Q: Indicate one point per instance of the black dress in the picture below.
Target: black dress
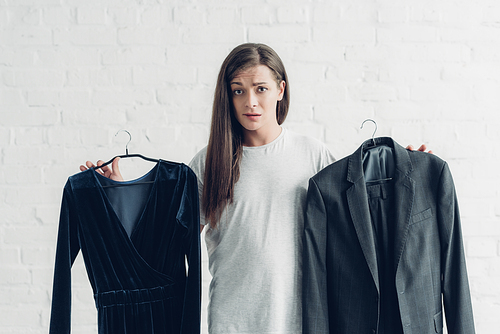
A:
(137, 269)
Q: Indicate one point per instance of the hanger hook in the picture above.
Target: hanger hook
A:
(129, 139)
(376, 127)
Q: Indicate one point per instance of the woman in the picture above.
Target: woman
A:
(253, 178)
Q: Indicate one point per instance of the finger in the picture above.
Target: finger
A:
(410, 147)
(106, 168)
(97, 169)
(430, 151)
(422, 148)
(117, 176)
(83, 168)
(89, 164)
(106, 171)
(114, 165)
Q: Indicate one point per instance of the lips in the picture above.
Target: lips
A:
(252, 117)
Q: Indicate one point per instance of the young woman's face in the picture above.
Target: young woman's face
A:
(255, 94)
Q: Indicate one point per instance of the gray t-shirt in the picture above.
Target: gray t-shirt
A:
(255, 253)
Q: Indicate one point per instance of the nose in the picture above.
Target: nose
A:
(251, 101)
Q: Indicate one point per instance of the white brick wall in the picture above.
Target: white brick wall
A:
(72, 73)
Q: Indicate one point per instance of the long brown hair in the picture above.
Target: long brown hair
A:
(224, 151)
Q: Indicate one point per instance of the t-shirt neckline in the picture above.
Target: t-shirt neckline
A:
(283, 130)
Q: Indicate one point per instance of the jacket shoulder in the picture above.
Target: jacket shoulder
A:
(334, 170)
(426, 161)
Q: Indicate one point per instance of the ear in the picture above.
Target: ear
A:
(281, 87)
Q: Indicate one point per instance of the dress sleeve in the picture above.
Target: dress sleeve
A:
(66, 251)
(455, 285)
(192, 294)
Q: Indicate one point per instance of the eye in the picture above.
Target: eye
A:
(237, 92)
(262, 89)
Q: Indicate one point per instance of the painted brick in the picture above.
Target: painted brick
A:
(11, 97)
(9, 257)
(348, 34)
(80, 56)
(141, 35)
(393, 14)
(91, 15)
(33, 116)
(123, 16)
(203, 34)
(326, 12)
(482, 248)
(14, 276)
(39, 78)
(21, 318)
(72, 74)
(293, 14)
(427, 14)
(258, 15)
(157, 16)
(85, 35)
(222, 16)
(407, 34)
(57, 16)
(189, 15)
(358, 13)
(441, 52)
(42, 98)
(37, 256)
(150, 55)
(23, 15)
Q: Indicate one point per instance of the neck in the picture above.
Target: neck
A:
(260, 138)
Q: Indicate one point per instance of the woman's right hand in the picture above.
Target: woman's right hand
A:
(112, 172)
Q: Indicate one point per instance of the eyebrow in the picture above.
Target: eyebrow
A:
(254, 84)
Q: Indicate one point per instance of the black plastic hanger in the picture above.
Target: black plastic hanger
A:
(127, 155)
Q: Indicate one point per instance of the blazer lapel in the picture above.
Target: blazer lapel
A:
(357, 200)
(404, 188)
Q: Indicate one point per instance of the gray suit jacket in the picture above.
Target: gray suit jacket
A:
(341, 281)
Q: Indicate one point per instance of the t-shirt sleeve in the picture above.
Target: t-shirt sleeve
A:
(327, 157)
(197, 164)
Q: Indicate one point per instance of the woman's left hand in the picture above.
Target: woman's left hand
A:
(422, 148)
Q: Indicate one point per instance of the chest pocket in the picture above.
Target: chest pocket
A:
(418, 217)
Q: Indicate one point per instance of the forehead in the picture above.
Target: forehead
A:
(260, 73)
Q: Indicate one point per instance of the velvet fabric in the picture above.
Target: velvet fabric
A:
(140, 282)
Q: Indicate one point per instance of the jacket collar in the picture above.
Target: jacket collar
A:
(355, 166)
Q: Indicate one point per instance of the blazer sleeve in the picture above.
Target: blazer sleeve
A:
(67, 249)
(192, 295)
(314, 286)
(455, 285)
